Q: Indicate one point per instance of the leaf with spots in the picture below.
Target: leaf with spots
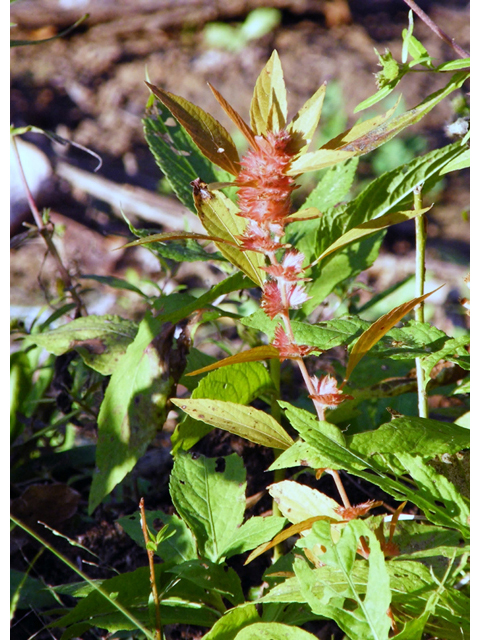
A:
(135, 403)
(209, 495)
(101, 341)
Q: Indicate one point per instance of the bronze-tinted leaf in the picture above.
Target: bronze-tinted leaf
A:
(235, 117)
(209, 135)
(268, 109)
(378, 329)
(264, 352)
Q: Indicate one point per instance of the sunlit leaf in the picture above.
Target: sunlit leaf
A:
(379, 328)
(207, 133)
(219, 217)
(268, 109)
(252, 355)
(247, 422)
(365, 229)
(305, 122)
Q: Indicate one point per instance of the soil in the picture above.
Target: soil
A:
(88, 88)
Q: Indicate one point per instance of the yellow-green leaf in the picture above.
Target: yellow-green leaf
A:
(174, 235)
(317, 160)
(247, 422)
(264, 352)
(218, 215)
(305, 122)
(298, 502)
(309, 213)
(367, 228)
(378, 329)
(360, 132)
(268, 109)
(209, 135)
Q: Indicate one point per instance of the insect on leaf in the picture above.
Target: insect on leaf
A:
(208, 134)
(378, 329)
(218, 216)
(268, 109)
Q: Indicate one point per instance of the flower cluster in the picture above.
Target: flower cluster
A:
(264, 198)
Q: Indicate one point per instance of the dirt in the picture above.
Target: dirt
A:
(88, 88)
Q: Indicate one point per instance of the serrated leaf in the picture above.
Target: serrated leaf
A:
(208, 134)
(268, 109)
(134, 407)
(214, 577)
(418, 436)
(379, 328)
(240, 383)
(367, 228)
(273, 631)
(214, 504)
(247, 422)
(256, 354)
(305, 122)
(101, 341)
(332, 188)
(219, 217)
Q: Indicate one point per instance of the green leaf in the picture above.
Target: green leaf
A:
(253, 532)
(214, 577)
(209, 135)
(209, 495)
(454, 65)
(418, 436)
(247, 422)
(273, 631)
(218, 215)
(101, 341)
(232, 621)
(178, 548)
(368, 135)
(305, 122)
(452, 348)
(135, 405)
(333, 187)
(372, 226)
(461, 162)
(268, 109)
(240, 383)
(369, 619)
(114, 282)
(299, 502)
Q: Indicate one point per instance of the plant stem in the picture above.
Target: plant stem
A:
(153, 584)
(46, 234)
(278, 474)
(436, 29)
(84, 577)
(420, 242)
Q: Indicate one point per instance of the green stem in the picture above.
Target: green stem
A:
(278, 474)
(420, 243)
(84, 577)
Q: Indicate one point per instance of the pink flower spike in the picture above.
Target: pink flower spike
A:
(296, 296)
(288, 349)
(327, 395)
(272, 300)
